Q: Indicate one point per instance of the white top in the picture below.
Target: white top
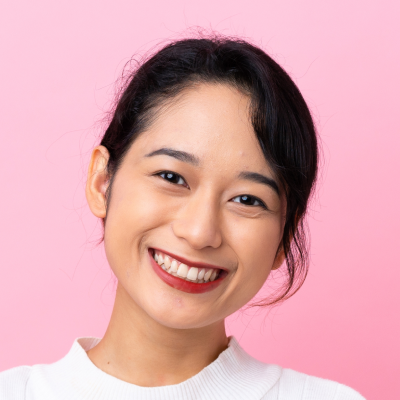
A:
(233, 375)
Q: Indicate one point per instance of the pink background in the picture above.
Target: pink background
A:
(59, 62)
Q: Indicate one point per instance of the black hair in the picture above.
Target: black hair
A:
(281, 119)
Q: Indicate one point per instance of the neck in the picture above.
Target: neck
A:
(139, 350)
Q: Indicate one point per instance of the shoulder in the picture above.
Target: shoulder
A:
(296, 385)
(13, 383)
(276, 383)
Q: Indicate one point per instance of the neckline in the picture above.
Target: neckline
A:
(232, 375)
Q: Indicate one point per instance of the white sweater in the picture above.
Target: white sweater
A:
(233, 375)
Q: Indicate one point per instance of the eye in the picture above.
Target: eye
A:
(173, 177)
(249, 201)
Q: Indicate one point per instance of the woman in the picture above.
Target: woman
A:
(202, 181)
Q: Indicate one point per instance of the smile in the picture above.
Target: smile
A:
(183, 276)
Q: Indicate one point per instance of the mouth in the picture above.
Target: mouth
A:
(186, 276)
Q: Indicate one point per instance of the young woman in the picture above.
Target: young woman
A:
(202, 181)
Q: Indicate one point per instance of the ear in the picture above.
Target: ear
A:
(97, 181)
(279, 258)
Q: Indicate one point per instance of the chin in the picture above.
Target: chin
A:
(175, 312)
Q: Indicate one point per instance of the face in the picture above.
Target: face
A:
(195, 192)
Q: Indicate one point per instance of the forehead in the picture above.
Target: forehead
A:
(211, 121)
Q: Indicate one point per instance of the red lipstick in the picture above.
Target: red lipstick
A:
(181, 284)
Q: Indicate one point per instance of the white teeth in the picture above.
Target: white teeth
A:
(201, 274)
(182, 270)
(208, 274)
(213, 275)
(174, 266)
(167, 262)
(192, 274)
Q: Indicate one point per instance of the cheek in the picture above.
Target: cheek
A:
(255, 244)
(134, 210)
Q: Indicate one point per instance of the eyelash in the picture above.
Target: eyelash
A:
(246, 196)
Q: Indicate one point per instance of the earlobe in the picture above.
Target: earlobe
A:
(97, 181)
(279, 259)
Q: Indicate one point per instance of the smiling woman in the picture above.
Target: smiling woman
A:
(202, 181)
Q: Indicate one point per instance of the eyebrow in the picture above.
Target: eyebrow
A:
(178, 154)
(192, 159)
(259, 178)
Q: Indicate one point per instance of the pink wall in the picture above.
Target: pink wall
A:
(59, 60)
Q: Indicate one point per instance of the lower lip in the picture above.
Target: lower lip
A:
(182, 285)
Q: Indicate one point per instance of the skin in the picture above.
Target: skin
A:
(159, 335)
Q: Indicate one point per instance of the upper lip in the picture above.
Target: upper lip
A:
(189, 263)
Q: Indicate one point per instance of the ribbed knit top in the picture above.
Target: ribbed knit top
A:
(233, 375)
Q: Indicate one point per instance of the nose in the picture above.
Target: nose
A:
(198, 222)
